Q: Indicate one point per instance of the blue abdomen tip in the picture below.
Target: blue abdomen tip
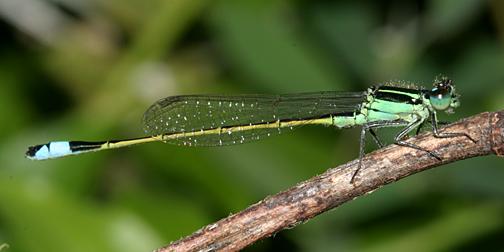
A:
(49, 150)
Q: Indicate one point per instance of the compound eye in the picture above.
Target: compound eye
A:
(441, 97)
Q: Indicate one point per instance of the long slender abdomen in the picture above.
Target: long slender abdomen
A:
(348, 120)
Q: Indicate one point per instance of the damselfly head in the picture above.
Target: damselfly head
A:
(443, 95)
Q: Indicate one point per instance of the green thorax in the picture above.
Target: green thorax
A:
(399, 102)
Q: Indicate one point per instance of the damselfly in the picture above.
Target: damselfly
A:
(211, 120)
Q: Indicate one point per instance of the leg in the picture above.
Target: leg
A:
(375, 138)
(423, 124)
(370, 127)
(446, 135)
(419, 128)
(361, 153)
(399, 138)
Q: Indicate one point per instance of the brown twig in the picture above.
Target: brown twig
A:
(332, 188)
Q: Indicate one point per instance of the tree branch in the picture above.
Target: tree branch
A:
(333, 188)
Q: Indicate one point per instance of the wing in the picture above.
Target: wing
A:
(251, 117)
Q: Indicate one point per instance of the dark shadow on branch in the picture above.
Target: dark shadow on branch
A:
(332, 188)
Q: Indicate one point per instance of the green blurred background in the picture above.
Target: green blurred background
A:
(87, 69)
